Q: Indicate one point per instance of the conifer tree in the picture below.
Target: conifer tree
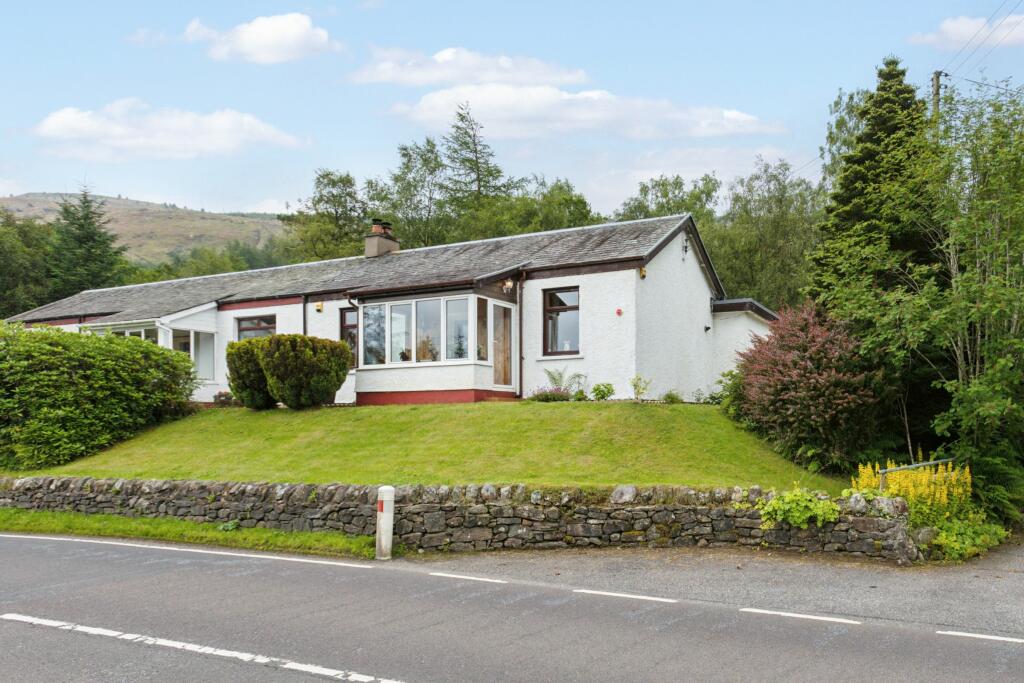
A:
(473, 174)
(84, 254)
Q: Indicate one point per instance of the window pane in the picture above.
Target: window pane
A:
(373, 335)
(502, 345)
(349, 316)
(150, 334)
(570, 298)
(457, 329)
(428, 331)
(563, 331)
(263, 326)
(180, 341)
(401, 333)
(204, 355)
(481, 329)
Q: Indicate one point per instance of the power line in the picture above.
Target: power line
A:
(990, 34)
(987, 85)
(1005, 36)
(971, 40)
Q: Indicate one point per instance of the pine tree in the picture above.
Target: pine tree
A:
(84, 254)
(473, 175)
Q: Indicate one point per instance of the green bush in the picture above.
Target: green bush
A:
(797, 508)
(672, 397)
(961, 539)
(303, 371)
(580, 395)
(602, 392)
(246, 378)
(550, 395)
(65, 395)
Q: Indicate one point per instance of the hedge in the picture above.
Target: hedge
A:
(64, 395)
(304, 371)
(245, 375)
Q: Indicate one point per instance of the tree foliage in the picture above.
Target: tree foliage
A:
(24, 254)
(302, 371)
(246, 378)
(84, 254)
(670, 195)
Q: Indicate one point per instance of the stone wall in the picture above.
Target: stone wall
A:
(484, 517)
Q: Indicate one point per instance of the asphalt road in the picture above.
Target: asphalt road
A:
(76, 611)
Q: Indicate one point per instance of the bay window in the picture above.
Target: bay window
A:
(428, 330)
(561, 321)
(481, 329)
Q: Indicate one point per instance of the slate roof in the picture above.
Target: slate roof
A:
(439, 266)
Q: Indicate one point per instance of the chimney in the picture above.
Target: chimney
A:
(380, 240)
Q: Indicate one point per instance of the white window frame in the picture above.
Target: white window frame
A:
(471, 304)
(192, 349)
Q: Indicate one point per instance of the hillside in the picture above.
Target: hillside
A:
(152, 231)
(542, 444)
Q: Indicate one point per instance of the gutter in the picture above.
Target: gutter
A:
(519, 307)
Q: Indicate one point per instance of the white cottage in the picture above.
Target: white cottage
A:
(460, 322)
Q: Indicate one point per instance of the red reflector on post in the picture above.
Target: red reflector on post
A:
(380, 506)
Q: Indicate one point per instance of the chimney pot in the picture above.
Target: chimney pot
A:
(380, 240)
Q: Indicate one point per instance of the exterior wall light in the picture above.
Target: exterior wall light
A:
(507, 285)
(643, 272)
(319, 307)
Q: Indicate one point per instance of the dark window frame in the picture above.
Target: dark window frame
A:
(352, 326)
(241, 327)
(548, 310)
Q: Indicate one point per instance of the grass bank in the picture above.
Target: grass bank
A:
(568, 444)
(181, 531)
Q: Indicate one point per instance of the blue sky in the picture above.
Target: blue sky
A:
(231, 106)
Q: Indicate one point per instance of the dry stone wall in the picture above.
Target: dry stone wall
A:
(484, 517)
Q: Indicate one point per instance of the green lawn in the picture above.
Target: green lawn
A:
(568, 444)
(182, 531)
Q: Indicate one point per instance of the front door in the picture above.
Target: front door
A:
(502, 321)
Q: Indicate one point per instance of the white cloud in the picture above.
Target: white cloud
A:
(130, 128)
(457, 65)
(264, 40)
(956, 32)
(512, 111)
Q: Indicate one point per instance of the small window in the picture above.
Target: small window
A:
(481, 329)
(262, 326)
(428, 330)
(456, 329)
(401, 333)
(350, 332)
(150, 334)
(561, 321)
(204, 354)
(374, 335)
(181, 340)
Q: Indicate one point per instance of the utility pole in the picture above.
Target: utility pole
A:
(936, 84)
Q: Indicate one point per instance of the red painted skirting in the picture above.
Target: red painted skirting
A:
(380, 398)
(259, 303)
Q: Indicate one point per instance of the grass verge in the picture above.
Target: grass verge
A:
(542, 445)
(332, 544)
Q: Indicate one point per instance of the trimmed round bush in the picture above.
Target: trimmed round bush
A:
(64, 395)
(302, 371)
(245, 374)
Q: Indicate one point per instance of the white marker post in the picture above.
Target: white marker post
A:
(385, 521)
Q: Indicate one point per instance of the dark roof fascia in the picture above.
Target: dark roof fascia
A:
(583, 268)
(664, 242)
(745, 306)
(501, 274)
(410, 289)
(706, 265)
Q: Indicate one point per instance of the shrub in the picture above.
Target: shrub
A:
(640, 387)
(797, 508)
(563, 379)
(550, 395)
(64, 395)
(602, 392)
(580, 395)
(806, 387)
(246, 378)
(303, 371)
(672, 397)
(224, 399)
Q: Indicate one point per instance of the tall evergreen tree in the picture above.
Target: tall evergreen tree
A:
(84, 254)
(473, 174)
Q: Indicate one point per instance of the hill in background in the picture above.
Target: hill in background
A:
(153, 231)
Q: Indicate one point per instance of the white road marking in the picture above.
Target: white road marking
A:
(248, 657)
(983, 636)
(467, 578)
(795, 615)
(624, 595)
(200, 551)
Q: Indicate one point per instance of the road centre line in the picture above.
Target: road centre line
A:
(200, 551)
(624, 595)
(796, 615)
(247, 657)
(467, 578)
(982, 636)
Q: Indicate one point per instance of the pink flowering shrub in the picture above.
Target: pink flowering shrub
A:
(805, 387)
